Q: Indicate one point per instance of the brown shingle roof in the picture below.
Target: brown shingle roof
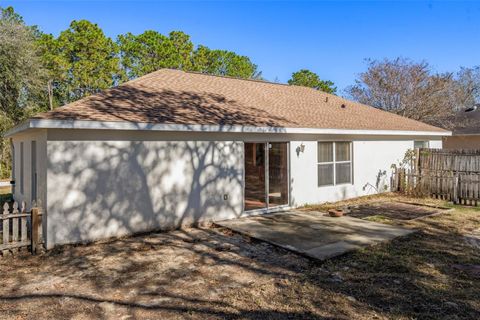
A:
(177, 97)
(467, 122)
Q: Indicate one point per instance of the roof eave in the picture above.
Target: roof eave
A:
(18, 128)
(124, 125)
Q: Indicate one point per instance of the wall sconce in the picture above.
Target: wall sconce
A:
(300, 148)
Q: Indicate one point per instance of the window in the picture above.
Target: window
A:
(34, 170)
(325, 163)
(420, 144)
(334, 163)
(21, 167)
(13, 164)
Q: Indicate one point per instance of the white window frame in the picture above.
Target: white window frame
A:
(423, 142)
(334, 162)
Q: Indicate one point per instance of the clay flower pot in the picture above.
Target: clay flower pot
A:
(335, 212)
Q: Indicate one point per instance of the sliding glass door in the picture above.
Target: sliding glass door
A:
(266, 175)
(255, 161)
(277, 174)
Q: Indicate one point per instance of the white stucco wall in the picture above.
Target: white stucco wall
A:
(372, 161)
(435, 144)
(100, 189)
(104, 183)
(40, 136)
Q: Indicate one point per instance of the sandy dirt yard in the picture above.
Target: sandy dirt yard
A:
(212, 273)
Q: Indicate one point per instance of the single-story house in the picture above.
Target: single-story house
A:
(466, 131)
(174, 148)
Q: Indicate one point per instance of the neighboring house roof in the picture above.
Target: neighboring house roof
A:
(172, 97)
(467, 121)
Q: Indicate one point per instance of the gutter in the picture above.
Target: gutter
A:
(465, 134)
(142, 126)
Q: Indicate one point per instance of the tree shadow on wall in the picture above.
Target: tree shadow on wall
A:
(114, 188)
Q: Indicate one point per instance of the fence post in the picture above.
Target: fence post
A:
(397, 180)
(455, 188)
(393, 181)
(402, 180)
(34, 232)
(6, 232)
(417, 161)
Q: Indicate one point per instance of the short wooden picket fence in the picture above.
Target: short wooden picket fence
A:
(20, 228)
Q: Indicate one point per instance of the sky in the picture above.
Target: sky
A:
(331, 38)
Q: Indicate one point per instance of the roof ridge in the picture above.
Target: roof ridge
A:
(231, 77)
(244, 79)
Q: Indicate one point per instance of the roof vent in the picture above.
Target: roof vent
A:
(475, 107)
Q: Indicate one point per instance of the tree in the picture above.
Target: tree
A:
(151, 51)
(307, 78)
(81, 61)
(224, 63)
(413, 90)
(20, 87)
(469, 82)
(52, 62)
(22, 81)
(183, 48)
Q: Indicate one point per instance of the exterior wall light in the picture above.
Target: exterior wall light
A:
(300, 149)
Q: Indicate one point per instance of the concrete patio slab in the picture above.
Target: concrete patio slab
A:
(314, 234)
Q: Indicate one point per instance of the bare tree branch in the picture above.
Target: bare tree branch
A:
(413, 90)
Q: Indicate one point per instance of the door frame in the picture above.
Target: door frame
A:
(267, 175)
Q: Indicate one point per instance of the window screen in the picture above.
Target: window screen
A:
(325, 152)
(325, 174)
(325, 163)
(343, 172)
(342, 151)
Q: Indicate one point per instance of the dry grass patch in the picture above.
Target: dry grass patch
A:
(384, 197)
(214, 274)
(417, 276)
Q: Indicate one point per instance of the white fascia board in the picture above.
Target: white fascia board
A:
(123, 125)
(18, 128)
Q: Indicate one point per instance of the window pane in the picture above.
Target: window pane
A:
(325, 152)
(255, 176)
(325, 174)
(343, 173)
(420, 144)
(277, 174)
(342, 151)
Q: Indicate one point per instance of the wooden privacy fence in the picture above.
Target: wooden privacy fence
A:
(20, 228)
(443, 174)
(457, 161)
(458, 188)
